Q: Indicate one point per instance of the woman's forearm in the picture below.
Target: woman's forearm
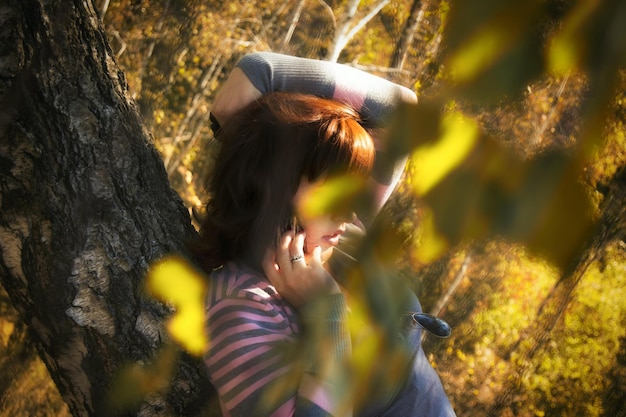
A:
(375, 98)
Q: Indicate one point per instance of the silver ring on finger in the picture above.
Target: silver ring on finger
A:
(296, 258)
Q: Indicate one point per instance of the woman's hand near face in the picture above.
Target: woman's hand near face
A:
(297, 277)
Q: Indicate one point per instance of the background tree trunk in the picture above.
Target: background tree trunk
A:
(349, 25)
(408, 33)
(85, 207)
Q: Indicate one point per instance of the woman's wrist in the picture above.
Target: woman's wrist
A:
(325, 321)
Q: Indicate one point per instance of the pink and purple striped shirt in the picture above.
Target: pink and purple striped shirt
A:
(253, 333)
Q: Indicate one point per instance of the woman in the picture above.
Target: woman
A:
(274, 152)
(262, 307)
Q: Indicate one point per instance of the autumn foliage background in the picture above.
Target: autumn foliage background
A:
(518, 242)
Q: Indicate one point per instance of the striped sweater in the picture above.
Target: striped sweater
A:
(253, 334)
(256, 336)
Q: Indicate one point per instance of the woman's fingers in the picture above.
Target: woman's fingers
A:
(296, 278)
(316, 256)
(283, 251)
(269, 264)
(296, 251)
(282, 258)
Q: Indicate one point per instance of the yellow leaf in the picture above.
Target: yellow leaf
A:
(563, 54)
(175, 281)
(337, 195)
(493, 47)
(479, 52)
(432, 244)
(482, 32)
(435, 160)
(566, 47)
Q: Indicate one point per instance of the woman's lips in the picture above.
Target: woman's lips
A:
(333, 238)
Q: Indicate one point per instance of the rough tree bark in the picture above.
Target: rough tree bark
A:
(85, 206)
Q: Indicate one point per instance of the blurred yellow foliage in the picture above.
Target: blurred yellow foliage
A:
(480, 51)
(337, 195)
(376, 360)
(175, 281)
(567, 48)
(6, 328)
(432, 244)
(435, 160)
(134, 382)
(474, 187)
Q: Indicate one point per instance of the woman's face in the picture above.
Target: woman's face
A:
(324, 230)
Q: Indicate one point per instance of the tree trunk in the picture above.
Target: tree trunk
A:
(349, 26)
(85, 207)
(294, 22)
(408, 33)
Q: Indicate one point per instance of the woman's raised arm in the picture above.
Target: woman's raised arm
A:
(375, 99)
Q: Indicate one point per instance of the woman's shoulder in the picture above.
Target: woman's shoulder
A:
(240, 293)
(234, 280)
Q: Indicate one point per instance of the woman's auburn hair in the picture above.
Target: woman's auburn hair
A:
(266, 149)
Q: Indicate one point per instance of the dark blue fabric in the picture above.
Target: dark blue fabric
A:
(421, 394)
